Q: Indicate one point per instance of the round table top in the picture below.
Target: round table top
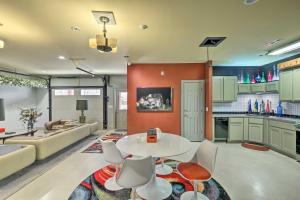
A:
(167, 145)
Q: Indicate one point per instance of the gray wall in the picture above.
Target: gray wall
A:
(23, 97)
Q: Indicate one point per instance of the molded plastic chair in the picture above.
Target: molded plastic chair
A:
(135, 173)
(112, 155)
(200, 168)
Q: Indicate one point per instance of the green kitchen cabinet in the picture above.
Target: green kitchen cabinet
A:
(218, 89)
(246, 129)
(244, 88)
(296, 85)
(230, 88)
(289, 141)
(258, 88)
(266, 132)
(224, 88)
(286, 85)
(236, 128)
(272, 86)
(275, 137)
(256, 133)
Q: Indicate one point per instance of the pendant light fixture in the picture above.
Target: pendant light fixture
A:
(102, 43)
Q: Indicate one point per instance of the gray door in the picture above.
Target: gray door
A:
(192, 110)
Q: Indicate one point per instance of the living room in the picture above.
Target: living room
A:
(193, 99)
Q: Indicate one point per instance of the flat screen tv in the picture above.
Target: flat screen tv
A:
(154, 99)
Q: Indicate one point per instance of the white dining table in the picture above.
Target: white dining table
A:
(167, 145)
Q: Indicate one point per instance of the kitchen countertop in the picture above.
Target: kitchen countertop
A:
(282, 119)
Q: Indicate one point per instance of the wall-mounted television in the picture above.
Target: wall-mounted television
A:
(154, 99)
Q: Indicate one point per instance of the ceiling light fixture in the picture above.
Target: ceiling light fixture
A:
(285, 49)
(273, 42)
(102, 43)
(1, 44)
(61, 57)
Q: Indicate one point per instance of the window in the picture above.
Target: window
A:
(90, 92)
(64, 92)
(122, 100)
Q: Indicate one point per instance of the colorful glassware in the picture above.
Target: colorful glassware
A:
(270, 76)
(263, 79)
(253, 79)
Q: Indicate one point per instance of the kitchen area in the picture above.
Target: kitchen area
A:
(259, 105)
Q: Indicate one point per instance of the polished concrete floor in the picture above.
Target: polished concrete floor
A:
(245, 174)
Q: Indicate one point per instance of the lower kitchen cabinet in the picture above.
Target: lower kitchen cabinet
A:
(256, 133)
(236, 129)
(288, 141)
(246, 128)
(266, 132)
(275, 137)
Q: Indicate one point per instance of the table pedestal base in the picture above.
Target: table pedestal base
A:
(157, 188)
(191, 196)
(163, 169)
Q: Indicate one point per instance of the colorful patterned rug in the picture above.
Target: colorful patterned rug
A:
(97, 148)
(92, 188)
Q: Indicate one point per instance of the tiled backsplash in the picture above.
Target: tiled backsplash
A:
(242, 103)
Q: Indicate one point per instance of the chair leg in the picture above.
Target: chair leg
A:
(195, 190)
(133, 194)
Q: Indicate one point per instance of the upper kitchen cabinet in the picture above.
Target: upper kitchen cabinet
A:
(224, 88)
(258, 88)
(272, 86)
(244, 88)
(296, 84)
(230, 88)
(286, 85)
(218, 85)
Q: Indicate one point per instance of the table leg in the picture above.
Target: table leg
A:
(163, 169)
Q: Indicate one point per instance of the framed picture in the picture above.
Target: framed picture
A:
(154, 99)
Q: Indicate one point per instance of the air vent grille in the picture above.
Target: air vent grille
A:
(212, 41)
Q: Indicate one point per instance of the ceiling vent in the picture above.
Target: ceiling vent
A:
(212, 41)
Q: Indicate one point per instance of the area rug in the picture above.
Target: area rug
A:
(97, 148)
(256, 147)
(92, 188)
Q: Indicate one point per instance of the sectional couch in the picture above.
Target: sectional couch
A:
(46, 144)
(14, 158)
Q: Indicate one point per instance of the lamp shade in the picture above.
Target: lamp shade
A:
(2, 113)
(81, 105)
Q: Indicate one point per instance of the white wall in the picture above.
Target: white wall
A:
(23, 97)
(64, 107)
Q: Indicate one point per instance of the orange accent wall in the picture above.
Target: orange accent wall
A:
(149, 75)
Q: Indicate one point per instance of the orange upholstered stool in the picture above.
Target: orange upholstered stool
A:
(200, 168)
(193, 171)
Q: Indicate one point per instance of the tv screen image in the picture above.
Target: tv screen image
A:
(154, 99)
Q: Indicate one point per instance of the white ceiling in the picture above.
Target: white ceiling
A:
(36, 32)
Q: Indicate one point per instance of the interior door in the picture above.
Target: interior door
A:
(192, 110)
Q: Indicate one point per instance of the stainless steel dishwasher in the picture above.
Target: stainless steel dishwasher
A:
(221, 128)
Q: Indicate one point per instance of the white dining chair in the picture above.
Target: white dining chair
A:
(200, 168)
(112, 155)
(135, 173)
(187, 156)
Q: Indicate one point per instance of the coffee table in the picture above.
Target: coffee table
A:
(167, 145)
(4, 136)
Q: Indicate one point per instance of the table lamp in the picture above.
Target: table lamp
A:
(82, 105)
(2, 114)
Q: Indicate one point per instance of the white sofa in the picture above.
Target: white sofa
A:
(50, 143)
(14, 158)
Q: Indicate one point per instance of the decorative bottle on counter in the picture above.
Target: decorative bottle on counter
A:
(249, 106)
(263, 106)
(268, 107)
(253, 79)
(279, 109)
(255, 106)
(258, 78)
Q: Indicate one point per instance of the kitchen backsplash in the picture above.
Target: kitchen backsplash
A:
(242, 103)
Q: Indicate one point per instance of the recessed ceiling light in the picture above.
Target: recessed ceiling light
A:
(61, 57)
(1, 44)
(144, 26)
(75, 28)
(250, 2)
